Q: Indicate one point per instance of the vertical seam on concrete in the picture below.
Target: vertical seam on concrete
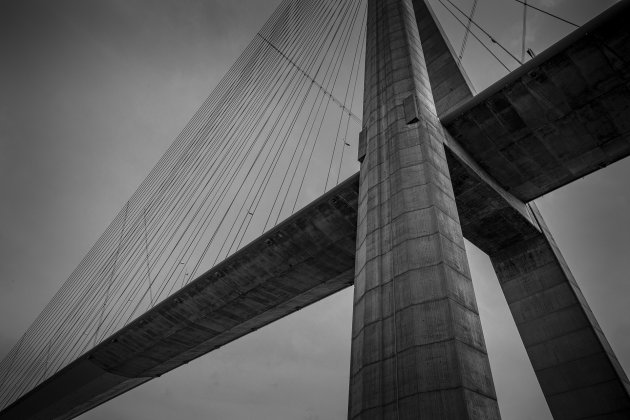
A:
(393, 281)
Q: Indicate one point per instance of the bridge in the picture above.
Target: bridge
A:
(437, 164)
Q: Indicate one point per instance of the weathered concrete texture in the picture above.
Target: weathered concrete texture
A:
(579, 373)
(417, 344)
(491, 218)
(557, 118)
(302, 260)
(449, 84)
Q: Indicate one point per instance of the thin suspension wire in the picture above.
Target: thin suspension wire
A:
(465, 40)
(344, 140)
(476, 37)
(313, 80)
(491, 37)
(524, 31)
(547, 13)
(354, 88)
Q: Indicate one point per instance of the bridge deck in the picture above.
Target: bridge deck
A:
(559, 117)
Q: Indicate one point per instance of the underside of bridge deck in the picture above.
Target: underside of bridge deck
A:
(557, 118)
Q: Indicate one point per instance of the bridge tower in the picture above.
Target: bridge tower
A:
(417, 343)
(418, 349)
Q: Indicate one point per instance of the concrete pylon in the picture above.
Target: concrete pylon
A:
(417, 345)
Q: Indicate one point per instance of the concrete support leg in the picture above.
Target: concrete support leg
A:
(417, 345)
(577, 370)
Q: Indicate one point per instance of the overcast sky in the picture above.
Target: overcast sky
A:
(93, 92)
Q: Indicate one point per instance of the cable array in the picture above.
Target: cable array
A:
(468, 20)
(270, 138)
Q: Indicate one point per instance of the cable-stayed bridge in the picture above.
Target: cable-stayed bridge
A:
(120, 321)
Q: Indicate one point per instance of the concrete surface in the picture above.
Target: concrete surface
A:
(559, 117)
(449, 83)
(417, 344)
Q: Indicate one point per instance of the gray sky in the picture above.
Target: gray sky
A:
(93, 92)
